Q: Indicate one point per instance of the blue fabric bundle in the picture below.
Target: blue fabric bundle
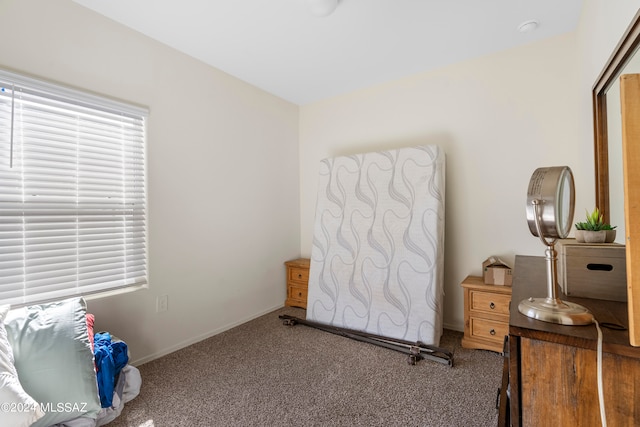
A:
(110, 359)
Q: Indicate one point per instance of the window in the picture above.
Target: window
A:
(72, 192)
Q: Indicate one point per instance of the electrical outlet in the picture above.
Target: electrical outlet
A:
(162, 303)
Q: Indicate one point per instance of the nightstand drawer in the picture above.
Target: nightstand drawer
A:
(299, 274)
(297, 293)
(488, 329)
(488, 302)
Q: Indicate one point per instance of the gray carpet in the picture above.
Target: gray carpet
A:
(263, 373)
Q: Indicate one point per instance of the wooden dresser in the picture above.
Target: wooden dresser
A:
(297, 282)
(486, 314)
(553, 368)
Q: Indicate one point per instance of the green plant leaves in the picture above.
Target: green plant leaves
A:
(594, 222)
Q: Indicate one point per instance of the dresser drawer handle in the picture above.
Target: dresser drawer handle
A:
(492, 306)
(299, 276)
(492, 332)
(300, 294)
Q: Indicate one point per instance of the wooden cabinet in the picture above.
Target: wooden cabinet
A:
(297, 282)
(486, 314)
(553, 368)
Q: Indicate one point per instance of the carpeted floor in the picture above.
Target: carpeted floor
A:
(263, 373)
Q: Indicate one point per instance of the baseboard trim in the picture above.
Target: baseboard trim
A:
(201, 337)
(454, 327)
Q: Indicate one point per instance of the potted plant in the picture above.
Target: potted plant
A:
(594, 229)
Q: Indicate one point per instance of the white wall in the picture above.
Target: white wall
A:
(498, 118)
(222, 168)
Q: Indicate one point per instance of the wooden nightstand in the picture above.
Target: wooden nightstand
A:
(297, 282)
(486, 314)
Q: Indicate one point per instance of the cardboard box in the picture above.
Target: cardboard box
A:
(592, 270)
(496, 272)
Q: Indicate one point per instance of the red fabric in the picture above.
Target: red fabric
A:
(90, 320)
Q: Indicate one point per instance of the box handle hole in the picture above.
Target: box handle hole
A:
(600, 267)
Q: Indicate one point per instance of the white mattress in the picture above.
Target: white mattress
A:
(378, 244)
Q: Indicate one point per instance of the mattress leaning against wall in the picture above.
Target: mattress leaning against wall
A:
(378, 244)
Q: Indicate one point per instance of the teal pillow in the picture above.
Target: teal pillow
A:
(54, 360)
(17, 408)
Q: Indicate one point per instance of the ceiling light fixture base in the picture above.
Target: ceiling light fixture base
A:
(528, 26)
(322, 8)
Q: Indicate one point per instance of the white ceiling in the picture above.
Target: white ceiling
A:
(281, 47)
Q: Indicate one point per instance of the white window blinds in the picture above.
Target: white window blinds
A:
(72, 192)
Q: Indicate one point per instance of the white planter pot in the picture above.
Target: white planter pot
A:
(587, 236)
(611, 236)
(603, 236)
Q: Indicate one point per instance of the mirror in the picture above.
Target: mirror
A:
(550, 202)
(617, 135)
(614, 149)
(608, 129)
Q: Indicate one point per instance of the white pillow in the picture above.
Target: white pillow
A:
(17, 408)
(54, 360)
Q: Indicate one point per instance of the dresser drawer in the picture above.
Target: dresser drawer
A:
(488, 329)
(488, 302)
(299, 274)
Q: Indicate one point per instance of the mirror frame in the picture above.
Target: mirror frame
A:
(609, 75)
(625, 49)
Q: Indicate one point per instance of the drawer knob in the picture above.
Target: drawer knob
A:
(492, 306)
(492, 332)
(299, 276)
(299, 294)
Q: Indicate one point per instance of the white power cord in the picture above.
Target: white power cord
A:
(603, 416)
